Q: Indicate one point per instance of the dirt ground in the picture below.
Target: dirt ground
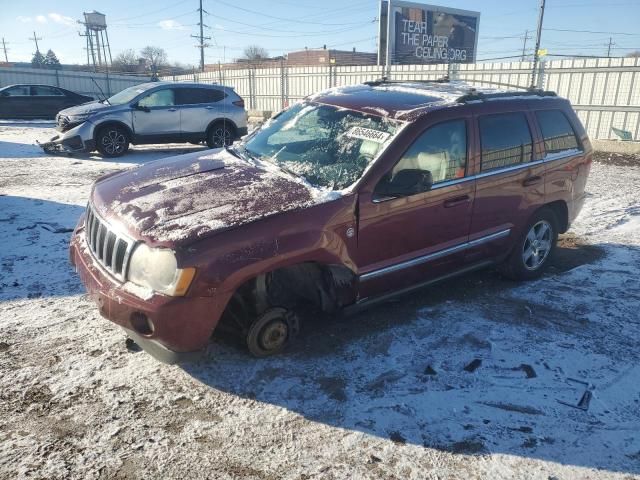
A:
(478, 377)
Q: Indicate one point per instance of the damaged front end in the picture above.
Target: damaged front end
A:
(75, 136)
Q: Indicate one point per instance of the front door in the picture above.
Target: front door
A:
(408, 239)
(16, 102)
(156, 118)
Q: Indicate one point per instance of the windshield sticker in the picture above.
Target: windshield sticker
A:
(368, 134)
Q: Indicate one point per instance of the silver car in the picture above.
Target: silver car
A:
(158, 112)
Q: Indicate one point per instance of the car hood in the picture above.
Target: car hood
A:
(84, 109)
(183, 198)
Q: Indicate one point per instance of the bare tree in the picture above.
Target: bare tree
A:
(635, 54)
(126, 61)
(155, 57)
(255, 54)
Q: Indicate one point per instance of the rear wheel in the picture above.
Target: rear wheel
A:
(530, 255)
(220, 134)
(112, 141)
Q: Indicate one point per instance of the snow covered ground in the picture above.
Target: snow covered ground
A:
(464, 380)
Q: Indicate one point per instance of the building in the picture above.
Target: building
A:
(309, 57)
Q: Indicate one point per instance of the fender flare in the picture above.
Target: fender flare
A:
(106, 123)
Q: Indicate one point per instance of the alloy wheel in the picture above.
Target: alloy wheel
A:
(114, 142)
(537, 245)
(220, 137)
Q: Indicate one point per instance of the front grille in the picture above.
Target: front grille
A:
(110, 248)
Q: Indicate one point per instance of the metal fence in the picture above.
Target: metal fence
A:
(80, 82)
(604, 91)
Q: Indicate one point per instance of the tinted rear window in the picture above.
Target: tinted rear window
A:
(190, 96)
(505, 139)
(557, 131)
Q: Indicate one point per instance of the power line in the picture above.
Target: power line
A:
(589, 31)
(297, 20)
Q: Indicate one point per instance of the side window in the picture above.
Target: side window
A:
(505, 139)
(159, 98)
(441, 149)
(192, 96)
(557, 131)
(40, 90)
(18, 91)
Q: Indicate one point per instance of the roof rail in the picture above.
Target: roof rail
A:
(474, 96)
(387, 81)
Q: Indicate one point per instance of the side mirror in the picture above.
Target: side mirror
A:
(406, 182)
(142, 108)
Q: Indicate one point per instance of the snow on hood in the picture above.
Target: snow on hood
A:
(85, 108)
(188, 196)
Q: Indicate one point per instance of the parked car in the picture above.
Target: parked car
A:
(356, 194)
(37, 101)
(156, 112)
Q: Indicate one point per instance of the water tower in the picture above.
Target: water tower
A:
(95, 24)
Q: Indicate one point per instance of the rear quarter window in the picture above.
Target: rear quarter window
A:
(557, 132)
(505, 139)
(193, 96)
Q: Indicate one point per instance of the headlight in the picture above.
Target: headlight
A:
(157, 269)
(73, 119)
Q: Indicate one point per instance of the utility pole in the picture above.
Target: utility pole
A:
(202, 38)
(524, 45)
(35, 39)
(611, 44)
(535, 53)
(4, 47)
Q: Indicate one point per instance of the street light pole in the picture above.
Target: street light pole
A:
(537, 48)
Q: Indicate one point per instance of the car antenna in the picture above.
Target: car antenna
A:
(99, 88)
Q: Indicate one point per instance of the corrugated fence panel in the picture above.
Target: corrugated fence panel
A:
(80, 82)
(605, 92)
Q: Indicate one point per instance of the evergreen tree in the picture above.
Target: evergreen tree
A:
(51, 61)
(37, 60)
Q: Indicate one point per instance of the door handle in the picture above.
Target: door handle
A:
(456, 201)
(531, 180)
(172, 110)
(209, 107)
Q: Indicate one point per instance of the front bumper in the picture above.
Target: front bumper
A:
(75, 140)
(182, 326)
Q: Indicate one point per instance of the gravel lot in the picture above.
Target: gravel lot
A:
(463, 380)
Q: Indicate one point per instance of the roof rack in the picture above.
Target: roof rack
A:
(474, 96)
(387, 81)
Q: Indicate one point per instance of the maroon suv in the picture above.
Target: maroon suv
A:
(350, 196)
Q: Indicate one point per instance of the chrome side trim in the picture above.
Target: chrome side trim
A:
(490, 173)
(434, 256)
(512, 168)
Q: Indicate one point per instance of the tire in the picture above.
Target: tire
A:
(535, 246)
(112, 141)
(271, 332)
(220, 134)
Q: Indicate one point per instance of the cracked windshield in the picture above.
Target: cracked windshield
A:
(328, 146)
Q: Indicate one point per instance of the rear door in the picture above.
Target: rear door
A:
(47, 101)
(403, 241)
(510, 180)
(198, 108)
(156, 117)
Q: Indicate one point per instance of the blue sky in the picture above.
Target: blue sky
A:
(285, 25)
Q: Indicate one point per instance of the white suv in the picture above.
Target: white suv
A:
(158, 112)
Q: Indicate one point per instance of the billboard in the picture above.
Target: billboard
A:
(421, 33)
